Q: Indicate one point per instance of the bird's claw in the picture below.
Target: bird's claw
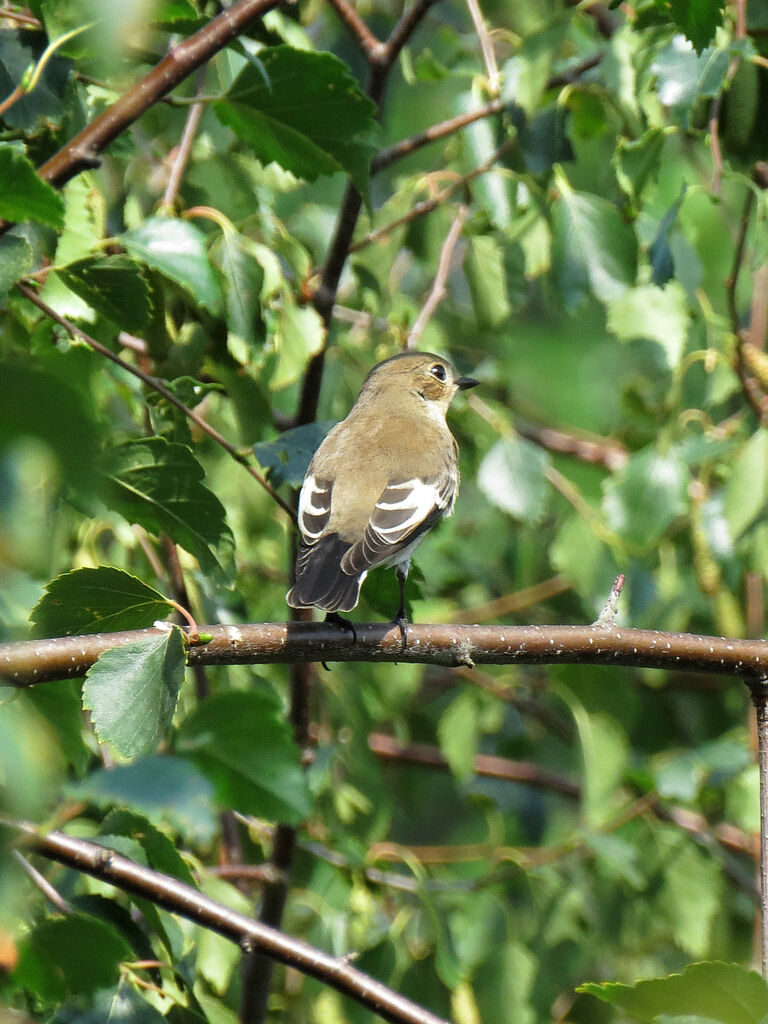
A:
(402, 624)
(338, 620)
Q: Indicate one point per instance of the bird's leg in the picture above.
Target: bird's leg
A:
(401, 620)
(338, 620)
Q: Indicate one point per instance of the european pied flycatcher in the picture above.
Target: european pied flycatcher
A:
(380, 479)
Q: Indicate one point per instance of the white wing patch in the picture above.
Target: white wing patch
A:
(403, 506)
(314, 508)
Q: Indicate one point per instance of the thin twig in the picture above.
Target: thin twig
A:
(759, 693)
(437, 292)
(193, 905)
(486, 47)
(52, 895)
(434, 133)
(156, 385)
(508, 604)
(28, 20)
(184, 148)
(428, 205)
(607, 452)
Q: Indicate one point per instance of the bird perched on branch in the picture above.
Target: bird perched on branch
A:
(378, 482)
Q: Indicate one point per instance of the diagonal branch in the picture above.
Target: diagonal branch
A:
(190, 903)
(437, 292)
(156, 385)
(371, 46)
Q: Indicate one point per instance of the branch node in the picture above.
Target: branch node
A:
(607, 616)
(464, 655)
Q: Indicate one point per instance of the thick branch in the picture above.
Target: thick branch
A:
(35, 661)
(82, 151)
(193, 905)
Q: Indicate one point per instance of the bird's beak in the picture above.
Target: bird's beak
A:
(465, 383)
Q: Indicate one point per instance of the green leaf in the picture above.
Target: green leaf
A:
(458, 732)
(73, 955)
(24, 196)
(113, 286)
(287, 458)
(112, 1006)
(243, 278)
(746, 493)
(16, 258)
(243, 743)
(303, 110)
(300, 335)
(644, 497)
(637, 161)
(101, 600)
(158, 484)
(37, 403)
(177, 249)
(725, 993)
(62, 709)
(513, 475)
(692, 896)
(85, 220)
(696, 19)
(45, 104)
(685, 78)
(132, 691)
(604, 750)
(594, 249)
(168, 790)
(656, 314)
(160, 850)
(487, 280)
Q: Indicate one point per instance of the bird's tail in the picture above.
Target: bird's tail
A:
(320, 581)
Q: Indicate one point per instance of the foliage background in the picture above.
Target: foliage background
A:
(618, 429)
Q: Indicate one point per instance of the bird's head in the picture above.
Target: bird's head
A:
(430, 377)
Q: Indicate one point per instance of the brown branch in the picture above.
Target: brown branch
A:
(428, 205)
(27, 20)
(371, 46)
(390, 749)
(53, 896)
(606, 452)
(158, 386)
(82, 152)
(437, 292)
(184, 148)
(26, 662)
(434, 133)
(190, 903)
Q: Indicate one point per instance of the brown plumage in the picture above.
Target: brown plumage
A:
(380, 479)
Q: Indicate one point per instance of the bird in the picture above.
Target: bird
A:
(379, 481)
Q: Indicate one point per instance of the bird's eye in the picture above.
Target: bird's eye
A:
(438, 370)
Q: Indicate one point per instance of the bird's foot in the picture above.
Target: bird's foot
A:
(338, 620)
(402, 624)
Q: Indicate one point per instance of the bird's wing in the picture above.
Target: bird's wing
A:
(405, 510)
(314, 508)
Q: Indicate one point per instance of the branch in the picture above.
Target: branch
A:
(83, 150)
(390, 749)
(486, 46)
(190, 903)
(184, 148)
(380, 62)
(434, 133)
(27, 662)
(428, 205)
(437, 292)
(156, 385)
(371, 46)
